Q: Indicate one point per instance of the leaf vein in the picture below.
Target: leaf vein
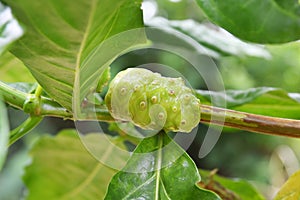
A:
(76, 93)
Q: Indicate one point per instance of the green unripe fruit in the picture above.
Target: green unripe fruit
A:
(151, 101)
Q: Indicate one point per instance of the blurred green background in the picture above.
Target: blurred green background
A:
(255, 157)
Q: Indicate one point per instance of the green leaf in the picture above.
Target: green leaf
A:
(24, 87)
(158, 169)
(291, 189)
(13, 70)
(213, 38)
(267, 21)
(10, 30)
(68, 45)
(104, 79)
(4, 133)
(62, 168)
(229, 188)
(264, 100)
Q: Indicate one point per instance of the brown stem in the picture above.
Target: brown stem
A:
(250, 122)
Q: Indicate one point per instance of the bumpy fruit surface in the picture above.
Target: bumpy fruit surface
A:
(151, 101)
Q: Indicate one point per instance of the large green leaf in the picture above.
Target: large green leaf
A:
(63, 169)
(264, 100)
(64, 44)
(215, 39)
(268, 21)
(291, 189)
(4, 133)
(158, 169)
(229, 188)
(9, 28)
(13, 70)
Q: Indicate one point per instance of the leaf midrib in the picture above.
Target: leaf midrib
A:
(145, 183)
(158, 166)
(156, 175)
(76, 93)
(115, 16)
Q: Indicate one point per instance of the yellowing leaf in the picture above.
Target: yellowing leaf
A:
(62, 168)
(291, 189)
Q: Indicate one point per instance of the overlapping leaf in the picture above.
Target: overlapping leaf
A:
(10, 30)
(13, 70)
(64, 44)
(62, 168)
(264, 100)
(24, 87)
(268, 21)
(216, 41)
(291, 189)
(229, 188)
(158, 169)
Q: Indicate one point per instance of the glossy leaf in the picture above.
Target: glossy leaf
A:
(4, 133)
(10, 29)
(229, 188)
(214, 38)
(62, 168)
(291, 189)
(64, 44)
(13, 70)
(158, 169)
(268, 21)
(264, 100)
